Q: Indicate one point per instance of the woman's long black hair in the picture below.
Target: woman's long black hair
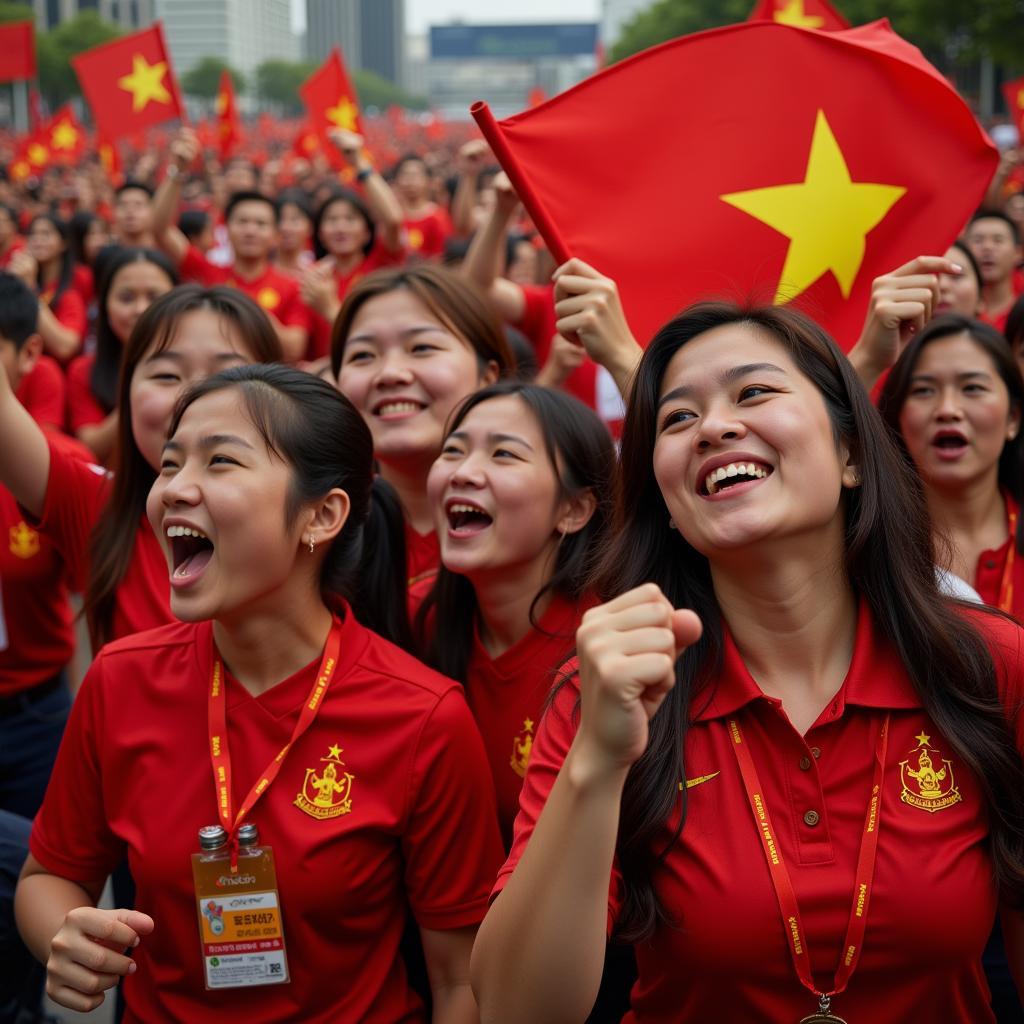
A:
(318, 432)
(583, 458)
(67, 257)
(889, 561)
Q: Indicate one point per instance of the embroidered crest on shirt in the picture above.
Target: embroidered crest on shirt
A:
(24, 540)
(927, 779)
(521, 747)
(327, 793)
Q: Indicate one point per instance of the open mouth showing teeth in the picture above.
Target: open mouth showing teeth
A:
(397, 408)
(467, 519)
(735, 473)
(191, 550)
(950, 441)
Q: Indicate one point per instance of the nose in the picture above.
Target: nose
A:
(719, 423)
(949, 407)
(394, 369)
(468, 472)
(180, 490)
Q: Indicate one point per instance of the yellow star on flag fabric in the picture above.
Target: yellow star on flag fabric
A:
(343, 114)
(792, 13)
(145, 83)
(64, 136)
(38, 154)
(222, 102)
(826, 217)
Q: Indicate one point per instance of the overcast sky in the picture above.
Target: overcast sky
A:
(421, 14)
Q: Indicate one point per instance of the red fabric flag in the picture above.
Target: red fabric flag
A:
(129, 83)
(110, 157)
(307, 143)
(753, 161)
(1013, 92)
(536, 97)
(818, 14)
(64, 136)
(17, 51)
(331, 102)
(229, 124)
(31, 156)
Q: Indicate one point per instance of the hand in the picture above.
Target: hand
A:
(24, 267)
(86, 958)
(185, 148)
(472, 157)
(627, 652)
(901, 304)
(505, 197)
(318, 286)
(564, 357)
(588, 308)
(349, 144)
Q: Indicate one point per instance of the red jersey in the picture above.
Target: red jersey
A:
(36, 639)
(133, 775)
(422, 554)
(76, 497)
(16, 246)
(425, 236)
(379, 256)
(43, 393)
(84, 408)
(83, 282)
(933, 903)
(591, 384)
(999, 575)
(69, 309)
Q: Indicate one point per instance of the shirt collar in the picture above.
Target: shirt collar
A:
(876, 677)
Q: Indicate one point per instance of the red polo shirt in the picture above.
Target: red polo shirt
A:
(76, 497)
(933, 903)
(84, 408)
(425, 236)
(422, 555)
(134, 775)
(992, 568)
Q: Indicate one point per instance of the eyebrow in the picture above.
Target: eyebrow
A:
(931, 378)
(178, 357)
(461, 435)
(734, 373)
(409, 333)
(211, 441)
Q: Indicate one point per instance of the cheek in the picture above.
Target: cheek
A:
(448, 381)
(151, 414)
(913, 422)
(437, 482)
(354, 384)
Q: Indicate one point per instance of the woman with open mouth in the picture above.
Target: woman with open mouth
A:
(408, 345)
(783, 765)
(368, 779)
(954, 399)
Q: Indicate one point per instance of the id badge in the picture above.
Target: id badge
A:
(240, 929)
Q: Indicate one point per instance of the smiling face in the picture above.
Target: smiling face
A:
(744, 452)
(216, 470)
(957, 415)
(44, 242)
(202, 345)
(132, 291)
(405, 371)
(343, 229)
(495, 495)
(294, 229)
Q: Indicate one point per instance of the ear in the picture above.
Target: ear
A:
(490, 373)
(576, 513)
(851, 470)
(1013, 423)
(325, 520)
(29, 354)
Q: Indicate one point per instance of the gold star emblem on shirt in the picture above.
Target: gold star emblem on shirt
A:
(792, 13)
(826, 217)
(334, 752)
(64, 136)
(145, 83)
(923, 739)
(343, 114)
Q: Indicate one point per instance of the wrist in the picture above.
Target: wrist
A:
(363, 171)
(590, 773)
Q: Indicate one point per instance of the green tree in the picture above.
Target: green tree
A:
(375, 91)
(278, 81)
(203, 80)
(54, 50)
(15, 12)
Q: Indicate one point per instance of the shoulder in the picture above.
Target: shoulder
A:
(402, 671)
(151, 643)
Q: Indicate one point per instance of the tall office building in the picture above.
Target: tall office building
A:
(129, 14)
(245, 33)
(370, 33)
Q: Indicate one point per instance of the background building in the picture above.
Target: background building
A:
(129, 14)
(371, 34)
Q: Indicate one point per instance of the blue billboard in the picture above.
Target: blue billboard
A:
(513, 42)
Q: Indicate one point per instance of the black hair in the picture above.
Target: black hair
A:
(343, 195)
(986, 214)
(67, 258)
(127, 186)
(19, 311)
(249, 197)
(524, 355)
(78, 229)
(312, 427)
(11, 212)
(972, 262)
(294, 197)
(192, 223)
(582, 456)
(408, 158)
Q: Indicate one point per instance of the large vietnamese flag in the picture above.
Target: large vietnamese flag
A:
(331, 102)
(818, 14)
(129, 83)
(229, 124)
(756, 161)
(17, 51)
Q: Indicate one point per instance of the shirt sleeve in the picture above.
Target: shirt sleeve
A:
(538, 319)
(83, 409)
(450, 842)
(293, 312)
(70, 835)
(554, 736)
(196, 267)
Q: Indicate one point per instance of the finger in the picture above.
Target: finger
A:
(637, 616)
(577, 284)
(81, 979)
(575, 267)
(899, 312)
(928, 265)
(914, 293)
(643, 594)
(570, 326)
(652, 669)
(647, 640)
(73, 1000)
(687, 627)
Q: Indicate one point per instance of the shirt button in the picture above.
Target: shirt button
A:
(805, 764)
(811, 818)
(816, 751)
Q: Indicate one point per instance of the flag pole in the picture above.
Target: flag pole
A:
(492, 132)
(19, 94)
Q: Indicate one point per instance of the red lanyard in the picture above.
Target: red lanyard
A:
(221, 757)
(784, 892)
(1006, 586)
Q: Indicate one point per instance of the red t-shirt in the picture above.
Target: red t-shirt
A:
(422, 555)
(133, 775)
(933, 903)
(591, 384)
(43, 393)
(379, 256)
(69, 309)
(36, 639)
(83, 282)
(16, 246)
(425, 236)
(84, 408)
(76, 497)
(992, 568)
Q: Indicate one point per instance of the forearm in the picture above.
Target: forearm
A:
(41, 903)
(101, 437)
(485, 259)
(24, 453)
(540, 950)
(384, 207)
(622, 366)
(59, 341)
(865, 367)
(462, 204)
(165, 203)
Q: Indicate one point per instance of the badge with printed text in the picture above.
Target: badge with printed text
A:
(927, 778)
(326, 792)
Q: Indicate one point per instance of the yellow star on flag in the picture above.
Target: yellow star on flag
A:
(37, 154)
(826, 217)
(334, 751)
(343, 114)
(21, 170)
(222, 103)
(923, 739)
(792, 13)
(64, 136)
(145, 83)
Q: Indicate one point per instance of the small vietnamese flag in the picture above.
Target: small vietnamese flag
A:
(110, 157)
(31, 156)
(1013, 93)
(229, 124)
(65, 136)
(17, 51)
(763, 161)
(818, 14)
(331, 102)
(307, 143)
(129, 83)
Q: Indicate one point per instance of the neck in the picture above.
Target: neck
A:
(998, 296)
(417, 207)
(410, 482)
(504, 599)
(968, 511)
(265, 646)
(346, 264)
(49, 272)
(249, 266)
(793, 616)
(144, 239)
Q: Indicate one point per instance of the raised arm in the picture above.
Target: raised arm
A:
(471, 160)
(24, 453)
(383, 203)
(59, 340)
(485, 260)
(184, 149)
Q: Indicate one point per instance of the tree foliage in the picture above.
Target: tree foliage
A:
(375, 91)
(15, 12)
(278, 81)
(54, 50)
(203, 80)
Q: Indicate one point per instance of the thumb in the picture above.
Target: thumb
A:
(686, 627)
(141, 924)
